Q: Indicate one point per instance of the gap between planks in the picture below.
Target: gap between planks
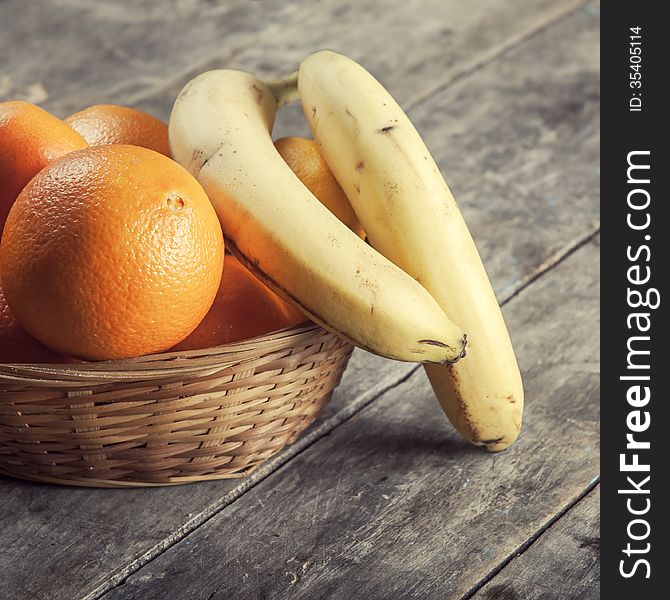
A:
(544, 528)
(323, 430)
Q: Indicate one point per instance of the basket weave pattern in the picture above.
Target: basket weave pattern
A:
(168, 418)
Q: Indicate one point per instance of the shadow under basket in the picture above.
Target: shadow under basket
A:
(169, 418)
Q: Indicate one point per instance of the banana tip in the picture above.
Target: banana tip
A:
(449, 361)
(462, 352)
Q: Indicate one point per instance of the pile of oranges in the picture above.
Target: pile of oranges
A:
(110, 249)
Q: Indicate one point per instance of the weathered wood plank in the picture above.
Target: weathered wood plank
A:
(567, 552)
(425, 51)
(65, 54)
(143, 522)
(118, 52)
(412, 74)
(393, 503)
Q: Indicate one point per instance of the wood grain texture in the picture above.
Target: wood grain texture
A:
(66, 54)
(123, 51)
(393, 501)
(513, 167)
(565, 555)
(430, 46)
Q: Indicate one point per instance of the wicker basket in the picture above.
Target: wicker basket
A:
(170, 418)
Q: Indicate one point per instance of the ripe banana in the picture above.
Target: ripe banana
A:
(411, 217)
(220, 130)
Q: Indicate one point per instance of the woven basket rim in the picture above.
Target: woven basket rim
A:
(161, 364)
(170, 418)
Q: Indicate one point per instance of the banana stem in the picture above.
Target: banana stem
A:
(284, 90)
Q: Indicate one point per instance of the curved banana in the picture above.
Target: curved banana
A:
(220, 130)
(411, 217)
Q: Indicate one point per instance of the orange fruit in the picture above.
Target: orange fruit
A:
(111, 124)
(30, 138)
(307, 162)
(111, 252)
(243, 308)
(16, 345)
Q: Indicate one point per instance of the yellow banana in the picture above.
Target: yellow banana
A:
(411, 217)
(220, 130)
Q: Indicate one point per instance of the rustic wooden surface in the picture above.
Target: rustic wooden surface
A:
(380, 498)
(568, 551)
(397, 503)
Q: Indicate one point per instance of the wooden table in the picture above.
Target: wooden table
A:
(380, 498)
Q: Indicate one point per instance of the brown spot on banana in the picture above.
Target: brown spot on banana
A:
(197, 156)
(258, 94)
